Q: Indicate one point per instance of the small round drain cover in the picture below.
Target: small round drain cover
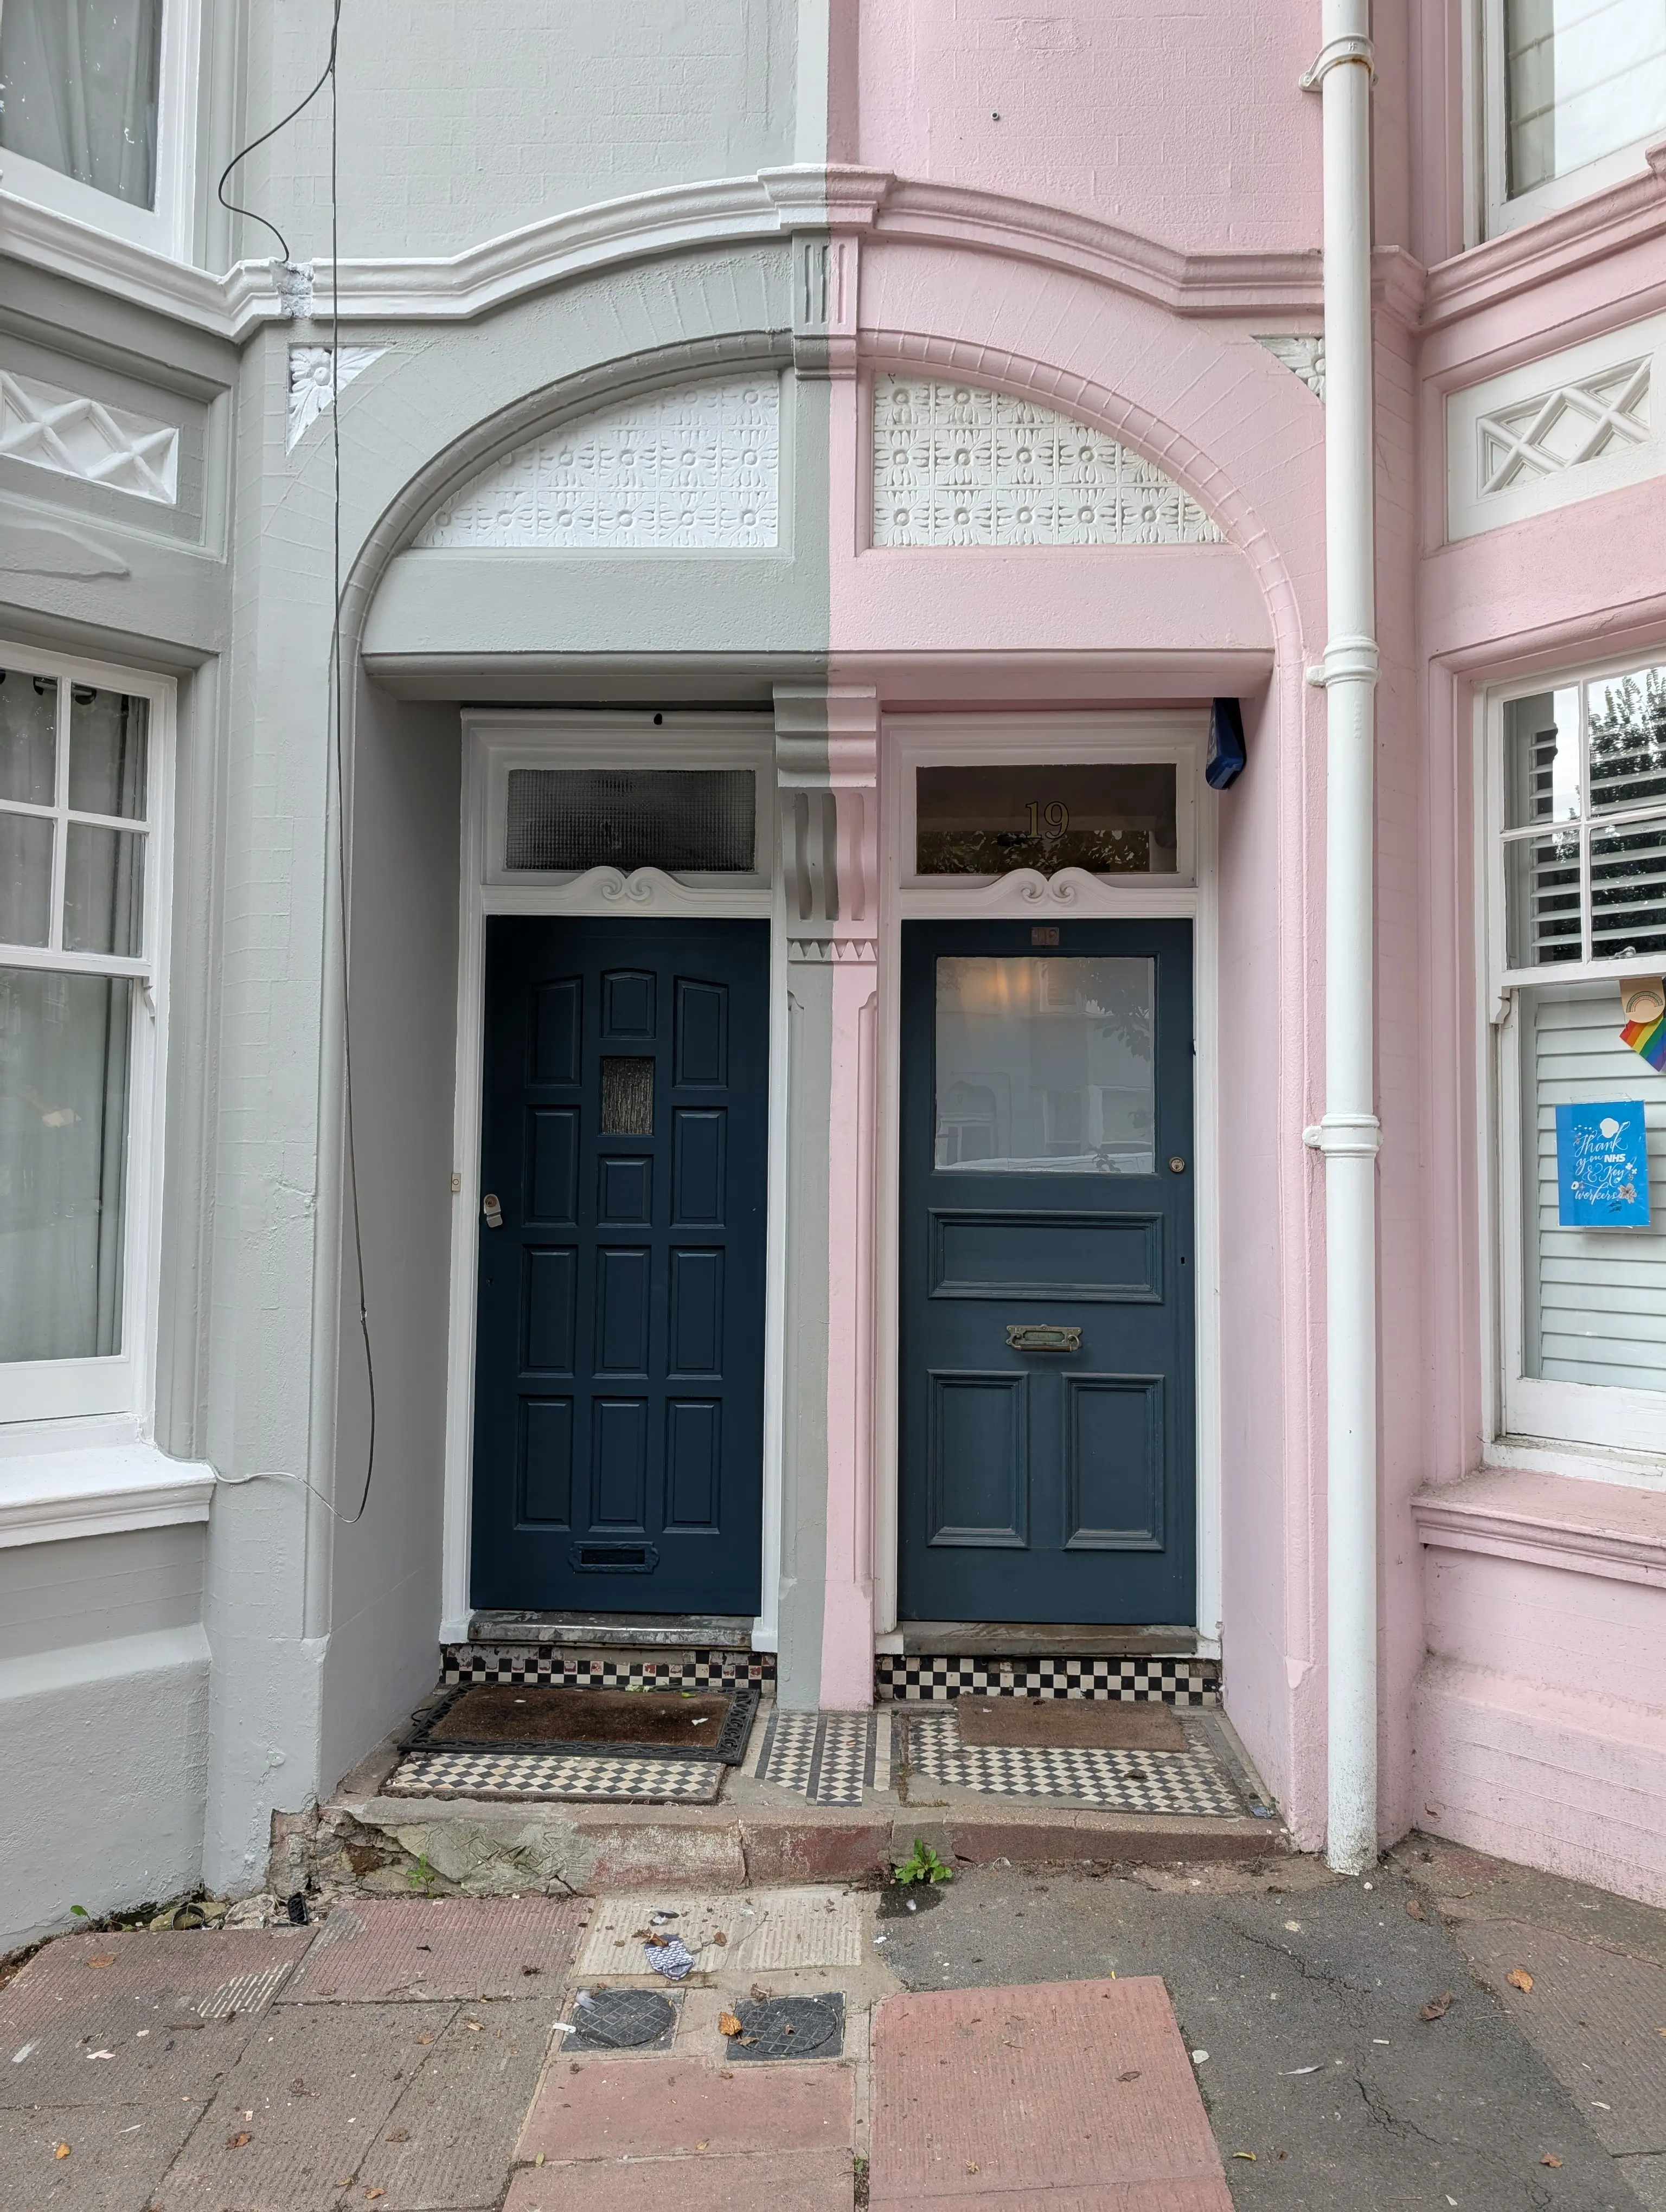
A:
(620, 2019)
(790, 2027)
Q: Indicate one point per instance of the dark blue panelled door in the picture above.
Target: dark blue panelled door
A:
(1047, 1386)
(619, 1368)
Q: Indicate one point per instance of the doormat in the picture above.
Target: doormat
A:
(591, 1724)
(1069, 1724)
(505, 1776)
(827, 1758)
(1191, 1782)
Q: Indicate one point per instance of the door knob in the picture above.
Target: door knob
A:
(492, 1210)
(1176, 1165)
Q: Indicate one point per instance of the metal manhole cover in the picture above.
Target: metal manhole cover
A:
(790, 2027)
(622, 2020)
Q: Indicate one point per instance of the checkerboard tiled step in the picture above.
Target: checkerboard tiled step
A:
(554, 1664)
(511, 1776)
(828, 1759)
(911, 1677)
(1191, 1782)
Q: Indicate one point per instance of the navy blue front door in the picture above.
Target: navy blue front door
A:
(1047, 1417)
(619, 1366)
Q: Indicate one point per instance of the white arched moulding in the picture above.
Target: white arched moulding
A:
(693, 465)
(957, 465)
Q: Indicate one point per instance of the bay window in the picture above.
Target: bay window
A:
(1578, 909)
(82, 774)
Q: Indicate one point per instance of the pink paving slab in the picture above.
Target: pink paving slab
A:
(1079, 2095)
(759, 2181)
(602, 2109)
(461, 1948)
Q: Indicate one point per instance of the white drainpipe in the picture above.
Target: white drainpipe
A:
(1349, 1134)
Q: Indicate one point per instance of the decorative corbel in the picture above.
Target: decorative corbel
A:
(827, 744)
(826, 209)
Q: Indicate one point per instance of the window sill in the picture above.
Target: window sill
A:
(46, 1497)
(1571, 1522)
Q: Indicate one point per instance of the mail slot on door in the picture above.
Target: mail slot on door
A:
(1043, 1336)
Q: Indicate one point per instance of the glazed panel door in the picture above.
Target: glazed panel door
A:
(619, 1363)
(1046, 1385)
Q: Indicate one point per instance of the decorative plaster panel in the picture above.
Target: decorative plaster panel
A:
(1555, 430)
(954, 465)
(313, 388)
(1303, 358)
(75, 436)
(697, 464)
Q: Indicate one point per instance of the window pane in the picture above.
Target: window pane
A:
(1044, 1065)
(1582, 79)
(698, 819)
(26, 879)
(1628, 891)
(1542, 899)
(63, 1054)
(29, 745)
(1541, 758)
(1113, 819)
(107, 752)
(1628, 740)
(78, 90)
(1593, 1299)
(103, 891)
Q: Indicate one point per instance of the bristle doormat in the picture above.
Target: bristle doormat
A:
(512, 1774)
(1069, 1724)
(507, 1717)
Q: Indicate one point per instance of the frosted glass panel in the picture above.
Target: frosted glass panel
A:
(63, 1051)
(1044, 1065)
(1593, 1299)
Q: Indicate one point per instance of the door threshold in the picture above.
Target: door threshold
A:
(701, 1631)
(1015, 1640)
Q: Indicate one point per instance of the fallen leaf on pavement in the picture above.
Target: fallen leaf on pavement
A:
(1132, 2075)
(425, 2038)
(728, 2024)
(237, 2141)
(397, 2134)
(721, 1937)
(1249, 2155)
(60, 2150)
(760, 1994)
(1436, 2007)
(473, 2027)
(1519, 1978)
(971, 2166)
(102, 1959)
(1413, 1905)
(702, 2144)
(373, 2193)
(1550, 2159)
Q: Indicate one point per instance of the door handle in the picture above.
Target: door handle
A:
(492, 1210)
(1043, 1336)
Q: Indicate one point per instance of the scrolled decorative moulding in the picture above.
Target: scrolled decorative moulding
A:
(954, 464)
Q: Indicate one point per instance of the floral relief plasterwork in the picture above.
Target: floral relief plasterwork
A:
(957, 465)
(314, 382)
(696, 465)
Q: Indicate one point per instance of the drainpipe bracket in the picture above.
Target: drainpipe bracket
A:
(1345, 1136)
(1347, 660)
(1351, 47)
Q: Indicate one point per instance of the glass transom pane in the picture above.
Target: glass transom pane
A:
(28, 740)
(701, 820)
(1582, 79)
(1044, 1065)
(64, 1060)
(1110, 818)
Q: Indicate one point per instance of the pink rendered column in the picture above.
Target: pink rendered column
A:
(847, 1673)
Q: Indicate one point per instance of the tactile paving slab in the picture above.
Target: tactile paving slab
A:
(450, 2139)
(115, 2159)
(1066, 2097)
(416, 1948)
(764, 1930)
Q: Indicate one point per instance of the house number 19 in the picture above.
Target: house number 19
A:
(1049, 821)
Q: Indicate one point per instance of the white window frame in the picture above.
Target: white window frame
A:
(1496, 213)
(1573, 1417)
(124, 1382)
(166, 226)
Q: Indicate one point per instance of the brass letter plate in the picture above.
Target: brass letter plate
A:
(1043, 1336)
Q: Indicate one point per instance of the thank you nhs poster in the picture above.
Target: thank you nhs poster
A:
(1602, 1165)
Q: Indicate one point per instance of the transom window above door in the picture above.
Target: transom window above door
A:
(1110, 818)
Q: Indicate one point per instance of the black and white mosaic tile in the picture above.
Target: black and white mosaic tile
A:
(551, 1663)
(910, 1677)
(828, 1759)
(511, 1776)
(1190, 1782)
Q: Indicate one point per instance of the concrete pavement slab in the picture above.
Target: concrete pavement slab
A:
(450, 2139)
(116, 2160)
(307, 2101)
(764, 1930)
(758, 2181)
(1597, 2018)
(1077, 2093)
(443, 1948)
(602, 2110)
(98, 2059)
(211, 1971)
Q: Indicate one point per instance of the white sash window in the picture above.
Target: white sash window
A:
(1574, 91)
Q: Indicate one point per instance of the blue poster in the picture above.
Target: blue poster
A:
(1602, 1166)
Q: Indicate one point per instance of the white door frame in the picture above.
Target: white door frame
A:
(912, 741)
(493, 741)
